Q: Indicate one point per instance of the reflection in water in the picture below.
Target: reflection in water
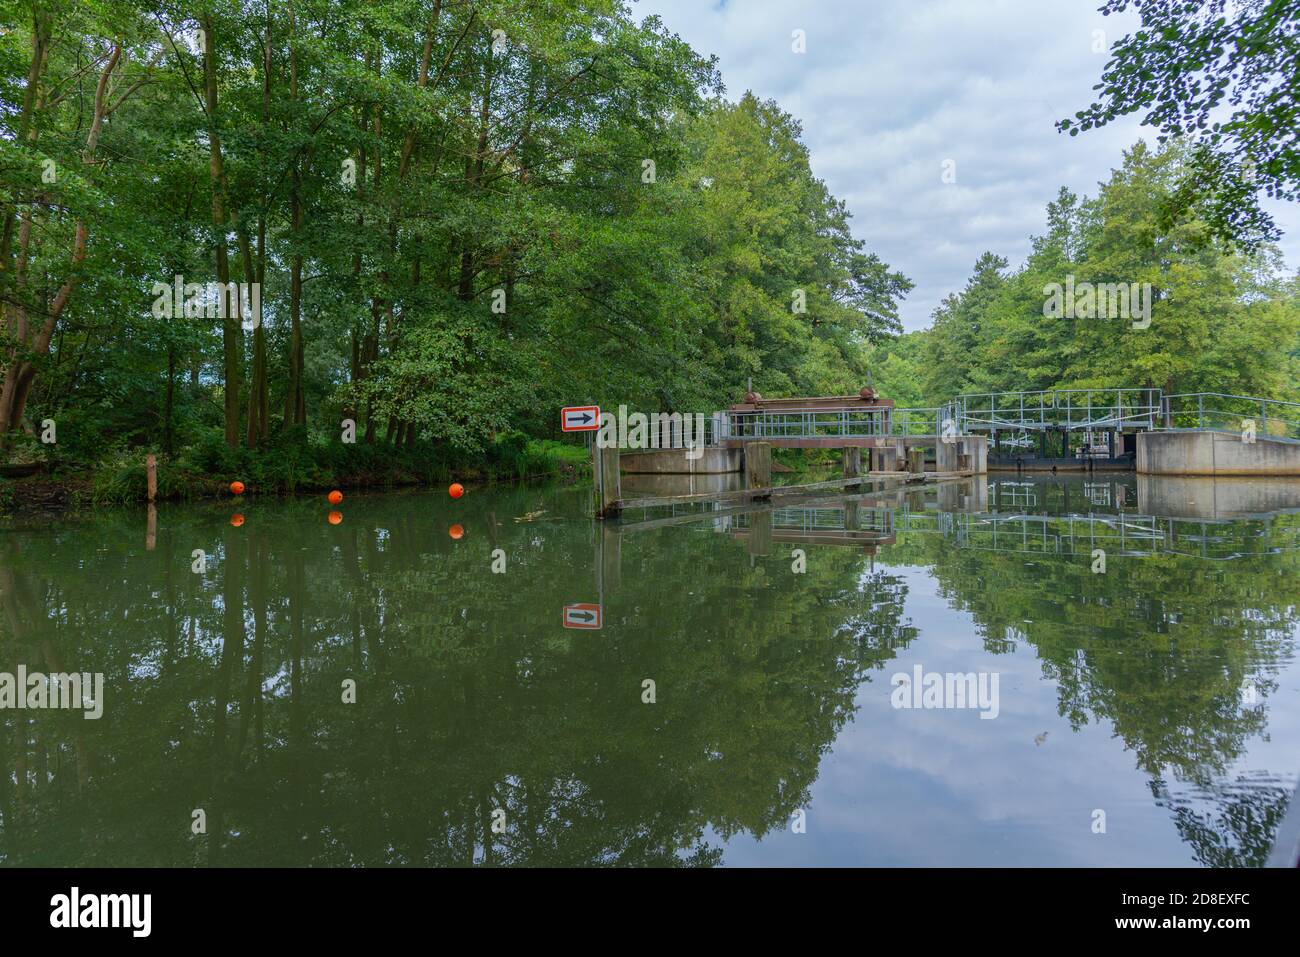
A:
(227, 690)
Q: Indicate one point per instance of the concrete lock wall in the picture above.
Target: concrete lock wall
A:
(676, 462)
(1214, 453)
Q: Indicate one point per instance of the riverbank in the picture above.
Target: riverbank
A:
(290, 466)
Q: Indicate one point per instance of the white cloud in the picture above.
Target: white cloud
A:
(890, 89)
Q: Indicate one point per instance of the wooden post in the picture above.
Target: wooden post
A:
(608, 481)
(852, 461)
(151, 475)
(945, 454)
(758, 465)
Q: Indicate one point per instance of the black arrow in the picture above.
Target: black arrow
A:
(581, 615)
(586, 417)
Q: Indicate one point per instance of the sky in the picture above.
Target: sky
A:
(893, 93)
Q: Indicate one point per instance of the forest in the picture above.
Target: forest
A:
(460, 215)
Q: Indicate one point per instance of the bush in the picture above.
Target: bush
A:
(294, 460)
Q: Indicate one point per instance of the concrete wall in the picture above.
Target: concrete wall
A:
(676, 461)
(973, 448)
(650, 484)
(1214, 453)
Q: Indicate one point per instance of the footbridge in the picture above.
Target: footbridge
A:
(869, 421)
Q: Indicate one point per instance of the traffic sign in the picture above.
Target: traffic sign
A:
(580, 418)
(584, 615)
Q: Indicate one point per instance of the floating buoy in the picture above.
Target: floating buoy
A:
(237, 488)
(236, 520)
(336, 517)
(456, 490)
(457, 532)
(335, 497)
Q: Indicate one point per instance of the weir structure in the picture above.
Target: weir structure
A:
(1142, 429)
(878, 442)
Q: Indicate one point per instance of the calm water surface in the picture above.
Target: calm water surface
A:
(1163, 692)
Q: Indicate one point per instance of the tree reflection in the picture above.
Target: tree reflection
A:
(225, 690)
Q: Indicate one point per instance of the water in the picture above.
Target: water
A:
(1163, 692)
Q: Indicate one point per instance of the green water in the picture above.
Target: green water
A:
(1163, 692)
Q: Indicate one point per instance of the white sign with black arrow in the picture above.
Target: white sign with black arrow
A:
(580, 418)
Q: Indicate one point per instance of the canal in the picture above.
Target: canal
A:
(400, 687)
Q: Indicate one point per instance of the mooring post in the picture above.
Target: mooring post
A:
(151, 475)
(607, 478)
(852, 462)
(758, 465)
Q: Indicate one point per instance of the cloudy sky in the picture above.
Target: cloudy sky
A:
(889, 90)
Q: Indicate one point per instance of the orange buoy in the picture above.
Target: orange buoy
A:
(457, 532)
(456, 490)
(237, 488)
(236, 520)
(336, 517)
(335, 497)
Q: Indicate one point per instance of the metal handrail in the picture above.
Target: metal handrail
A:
(1181, 415)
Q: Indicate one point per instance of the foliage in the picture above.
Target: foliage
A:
(451, 213)
(1221, 72)
(1220, 320)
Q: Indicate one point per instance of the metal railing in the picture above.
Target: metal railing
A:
(679, 430)
(1024, 412)
(809, 423)
(1060, 409)
(1235, 414)
(937, 420)
(816, 519)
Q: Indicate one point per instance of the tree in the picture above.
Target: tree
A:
(1188, 58)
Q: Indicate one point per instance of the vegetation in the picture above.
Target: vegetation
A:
(1180, 67)
(459, 216)
(1221, 319)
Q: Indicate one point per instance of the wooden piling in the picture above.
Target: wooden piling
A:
(151, 475)
(853, 461)
(608, 481)
(758, 465)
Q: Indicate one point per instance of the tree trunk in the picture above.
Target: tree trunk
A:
(19, 370)
(232, 337)
(295, 401)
